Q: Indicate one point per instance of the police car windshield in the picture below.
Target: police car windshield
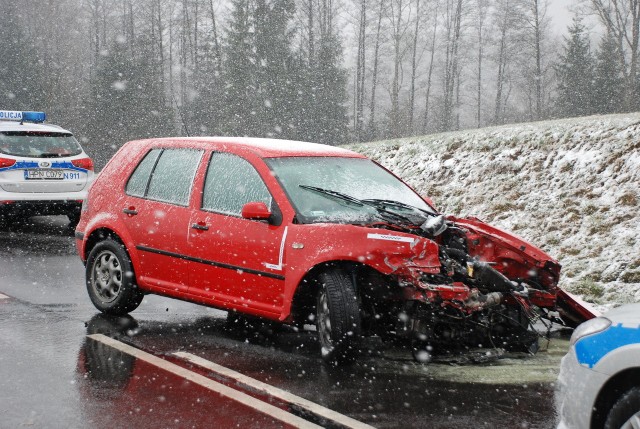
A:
(38, 145)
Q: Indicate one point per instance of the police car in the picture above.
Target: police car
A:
(599, 381)
(43, 169)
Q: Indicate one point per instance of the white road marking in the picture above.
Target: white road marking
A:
(274, 392)
(2, 296)
(243, 398)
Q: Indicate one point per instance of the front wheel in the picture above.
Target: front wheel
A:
(338, 317)
(625, 413)
(110, 280)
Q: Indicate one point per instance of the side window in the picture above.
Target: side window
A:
(137, 184)
(232, 182)
(173, 175)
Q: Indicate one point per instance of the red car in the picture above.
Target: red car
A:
(304, 234)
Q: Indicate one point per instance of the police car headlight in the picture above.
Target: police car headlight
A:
(590, 327)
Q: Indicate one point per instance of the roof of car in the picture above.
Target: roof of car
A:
(28, 126)
(268, 148)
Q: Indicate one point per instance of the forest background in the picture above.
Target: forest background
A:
(329, 71)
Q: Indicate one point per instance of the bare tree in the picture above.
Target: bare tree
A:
(412, 91)
(536, 27)
(374, 77)
(453, 25)
(216, 39)
(507, 19)
(482, 8)
(398, 17)
(432, 50)
(360, 72)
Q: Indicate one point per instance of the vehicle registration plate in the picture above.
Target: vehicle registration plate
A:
(43, 174)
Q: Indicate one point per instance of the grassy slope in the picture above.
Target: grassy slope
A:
(568, 186)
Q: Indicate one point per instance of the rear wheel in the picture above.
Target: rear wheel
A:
(338, 317)
(625, 413)
(110, 280)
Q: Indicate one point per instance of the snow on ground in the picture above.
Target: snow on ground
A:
(569, 186)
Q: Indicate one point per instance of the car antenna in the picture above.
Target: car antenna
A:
(184, 124)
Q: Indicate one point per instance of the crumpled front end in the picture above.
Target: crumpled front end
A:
(487, 289)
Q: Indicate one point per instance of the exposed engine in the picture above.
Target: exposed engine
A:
(488, 293)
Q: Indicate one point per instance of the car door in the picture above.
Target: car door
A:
(236, 262)
(156, 214)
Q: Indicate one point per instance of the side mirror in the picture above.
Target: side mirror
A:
(256, 211)
(430, 202)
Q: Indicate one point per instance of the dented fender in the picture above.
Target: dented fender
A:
(388, 252)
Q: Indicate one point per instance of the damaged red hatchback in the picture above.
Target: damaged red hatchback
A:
(306, 234)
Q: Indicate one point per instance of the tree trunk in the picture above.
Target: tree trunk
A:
(374, 77)
(360, 73)
(412, 92)
(425, 122)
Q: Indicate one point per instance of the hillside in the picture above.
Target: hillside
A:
(569, 186)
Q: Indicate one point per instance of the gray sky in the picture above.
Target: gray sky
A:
(560, 14)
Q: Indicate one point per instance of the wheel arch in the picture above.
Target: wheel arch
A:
(613, 389)
(101, 233)
(97, 236)
(304, 298)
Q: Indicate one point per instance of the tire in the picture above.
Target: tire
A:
(110, 279)
(338, 318)
(625, 413)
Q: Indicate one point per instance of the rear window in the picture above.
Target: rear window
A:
(165, 175)
(38, 145)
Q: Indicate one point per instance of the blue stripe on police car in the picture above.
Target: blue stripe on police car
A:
(592, 348)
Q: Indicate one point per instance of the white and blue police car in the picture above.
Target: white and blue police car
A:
(599, 381)
(43, 168)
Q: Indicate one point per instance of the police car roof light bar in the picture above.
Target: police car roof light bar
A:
(14, 115)
(34, 117)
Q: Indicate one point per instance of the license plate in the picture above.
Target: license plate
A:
(43, 174)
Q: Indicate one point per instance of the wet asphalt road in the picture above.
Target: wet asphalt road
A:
(52, 375)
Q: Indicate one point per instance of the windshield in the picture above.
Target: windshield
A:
(359, 178)
(38, 145)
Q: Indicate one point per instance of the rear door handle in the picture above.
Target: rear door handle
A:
(131, 211)
(200, 226)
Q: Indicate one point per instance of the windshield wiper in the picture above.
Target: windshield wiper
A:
(393, 203)
(384, 213)
(335, 194)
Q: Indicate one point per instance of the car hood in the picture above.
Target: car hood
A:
(514, 243)
(626, 314)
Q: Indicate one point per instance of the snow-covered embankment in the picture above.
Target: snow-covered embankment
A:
(568, 186)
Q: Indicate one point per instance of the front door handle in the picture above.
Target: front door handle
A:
(200, 226)
(131, 211)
